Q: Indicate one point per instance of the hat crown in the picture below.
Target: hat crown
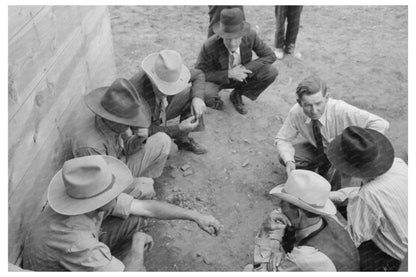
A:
(232, 24)
(231, 17)
(358, 145)
(168, 66)
(121, 99)
(86, 177)
(308, 187)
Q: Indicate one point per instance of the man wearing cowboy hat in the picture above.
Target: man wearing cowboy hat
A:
(117, 111)
(318, 119)
(319, 242)
(377, 212)
(171, 90)
(226, 59)
(89, 221)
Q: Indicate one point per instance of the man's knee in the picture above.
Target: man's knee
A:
(211, 92)
(160, 140)
(268, 73)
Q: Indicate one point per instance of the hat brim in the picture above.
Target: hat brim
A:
(376, 167)
(328, 209)
(62, 203)
(93, 101)
(244, 31)
(166, 88)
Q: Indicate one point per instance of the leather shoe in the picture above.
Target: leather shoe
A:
(189, 144)
(237, 102)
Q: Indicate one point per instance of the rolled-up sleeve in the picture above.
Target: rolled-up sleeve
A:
(123, 206)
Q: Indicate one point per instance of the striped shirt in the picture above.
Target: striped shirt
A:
(338, 115)
(379, 212)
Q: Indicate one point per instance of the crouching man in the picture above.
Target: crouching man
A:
(88, 220)
(304, 235)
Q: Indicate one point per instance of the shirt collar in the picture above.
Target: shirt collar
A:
(303, 233)
(236, 51)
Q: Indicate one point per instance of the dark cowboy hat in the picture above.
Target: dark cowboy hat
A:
(119, 103)
(360, 152)
(231, 24)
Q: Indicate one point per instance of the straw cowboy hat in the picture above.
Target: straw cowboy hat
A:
(231, 24)
(87, 183)
(306, 190)
(167, 71)
(361, 152)
(119, 103)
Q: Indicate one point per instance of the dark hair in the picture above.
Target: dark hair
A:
(310, 85)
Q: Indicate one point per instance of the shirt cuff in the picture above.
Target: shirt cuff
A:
(114, 265)
(123, 206)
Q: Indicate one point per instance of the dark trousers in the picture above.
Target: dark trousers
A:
(308, 158)
(292, 15)
(373, 259)
(214, 15)
(251, 88)
(117, 233)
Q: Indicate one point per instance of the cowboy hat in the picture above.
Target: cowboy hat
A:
(87, 183)
(306, 190)
(360, 152)
(231, 24)
(119, 103)
(167, 71)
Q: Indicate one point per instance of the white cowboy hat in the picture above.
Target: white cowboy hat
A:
(167, 71)
(306, 190)
(87, 183)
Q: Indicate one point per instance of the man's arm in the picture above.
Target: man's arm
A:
(162, 210)
(262, 50)
(283, 140)
(134, 260)
(208, 62)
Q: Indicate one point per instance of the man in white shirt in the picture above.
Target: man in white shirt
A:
(318, 119)
(377, 212)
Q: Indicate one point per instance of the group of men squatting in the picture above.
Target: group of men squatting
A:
(99, 201)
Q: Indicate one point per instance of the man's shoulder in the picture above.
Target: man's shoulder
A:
(213, 42)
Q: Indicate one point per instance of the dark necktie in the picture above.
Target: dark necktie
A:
(318, 137)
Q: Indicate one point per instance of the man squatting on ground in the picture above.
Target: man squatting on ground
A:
(90, 225)
(318, 119)
(226, 60)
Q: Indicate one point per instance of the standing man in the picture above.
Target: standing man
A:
(318, 119)
(89, 220)
(285, 42)
(214, 13)
(377, 212)
(313, 239)
(226, 60)
(171, 90)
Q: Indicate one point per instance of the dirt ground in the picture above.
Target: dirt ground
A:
(361, 52)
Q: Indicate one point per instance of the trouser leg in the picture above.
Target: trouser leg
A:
(117, 233)
(293, 22)
(279, 37)
(151, 159)
(212, 97)
(258, 82)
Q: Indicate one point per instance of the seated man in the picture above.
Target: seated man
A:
(377, 212)
(171, 90)
(313, 240)
(226, 59)
(318, 119)
(117, 109)
(89, 220)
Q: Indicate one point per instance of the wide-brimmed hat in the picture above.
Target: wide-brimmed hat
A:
(307, 190)
(87, 183)
(231, 24)
(360, 152)
(167, 71)
(119, 103)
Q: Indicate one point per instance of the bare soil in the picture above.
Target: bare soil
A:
(361, 52)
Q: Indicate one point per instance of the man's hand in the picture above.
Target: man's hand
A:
(135, 142)
(238, 73)
(208, 223)
(143, 188)
(290, 165)
(198, 106)
(189, 124)
(142, 241)
(142, 132)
